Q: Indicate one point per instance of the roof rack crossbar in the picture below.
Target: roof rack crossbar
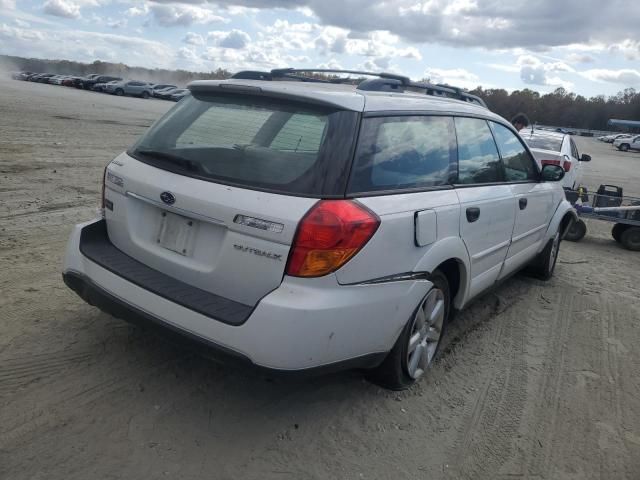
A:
(447, 90)
(429, 88)
(287, 71)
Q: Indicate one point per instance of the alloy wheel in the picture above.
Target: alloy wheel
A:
(426, 331)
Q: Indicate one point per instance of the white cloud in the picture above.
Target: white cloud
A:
(8, 4)
(183, 15)
(511, 68)
(189, 56)
(62, 8)
(458, 77)
(115, 24)
(534, 71)
(629, 48)
(580, 58)
(235, 39)
(332, 64)
(137, 11)
(85, 46)
(193, 39)
(626, 76)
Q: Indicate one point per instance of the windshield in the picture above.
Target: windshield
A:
(253, 142)
(545, 143)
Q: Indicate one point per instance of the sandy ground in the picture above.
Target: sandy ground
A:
(537, 380)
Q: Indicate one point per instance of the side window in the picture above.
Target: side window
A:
(518, 164)
(478, 159)
(404, 152)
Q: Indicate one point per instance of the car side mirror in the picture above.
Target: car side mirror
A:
(585, 158)
(552, 173)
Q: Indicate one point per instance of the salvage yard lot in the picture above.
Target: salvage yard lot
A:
(536, 380)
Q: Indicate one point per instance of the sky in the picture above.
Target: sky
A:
(586, 46)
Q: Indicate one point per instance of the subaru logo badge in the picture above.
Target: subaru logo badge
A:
(168, 198)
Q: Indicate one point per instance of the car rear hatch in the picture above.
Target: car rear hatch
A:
(212, 194)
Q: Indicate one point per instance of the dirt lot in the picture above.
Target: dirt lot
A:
(537, 380)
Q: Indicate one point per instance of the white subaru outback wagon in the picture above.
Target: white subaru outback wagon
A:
(304, 225)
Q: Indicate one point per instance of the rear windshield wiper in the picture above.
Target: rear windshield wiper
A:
(170, 157)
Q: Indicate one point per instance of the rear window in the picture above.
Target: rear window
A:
(545, 143)
(254, 142)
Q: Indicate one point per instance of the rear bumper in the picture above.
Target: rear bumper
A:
(98, 297)
(305, 324)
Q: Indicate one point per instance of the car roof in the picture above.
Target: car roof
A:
(345, 96)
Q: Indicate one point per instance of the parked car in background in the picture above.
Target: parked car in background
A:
(133, 88)
(164, 93)
(553, 148)
(627, 143)
(179, 94)
(69, 81)
(20, 75)
(89, 83)
(353, 220)
(101, 87)
(57, 79)
(161, 86)
(44, 78)
(613, 138)
(79, 82)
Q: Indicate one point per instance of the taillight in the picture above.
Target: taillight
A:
(550, 162)
(566, 165)
(331, 233)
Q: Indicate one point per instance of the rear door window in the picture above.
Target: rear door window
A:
(404, 153)
(519, 166)
(478, 159)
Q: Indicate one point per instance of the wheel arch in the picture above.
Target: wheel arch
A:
(451, 257)
(563, 218)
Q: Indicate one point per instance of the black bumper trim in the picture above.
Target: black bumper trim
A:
(96, 246)
(98, 297)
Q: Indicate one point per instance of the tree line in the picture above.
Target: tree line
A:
(563, 108)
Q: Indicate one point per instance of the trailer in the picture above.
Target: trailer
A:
(610, 205)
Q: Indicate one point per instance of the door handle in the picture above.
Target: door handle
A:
(523, 203)
(473, 214)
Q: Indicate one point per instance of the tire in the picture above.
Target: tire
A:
(617, 231)
(417, 346)
(145, 95)
(119, 92)
(544, 264)
(576, 232)
(630, 239)
(624, 147)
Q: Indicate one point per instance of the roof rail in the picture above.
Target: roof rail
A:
(386, 82)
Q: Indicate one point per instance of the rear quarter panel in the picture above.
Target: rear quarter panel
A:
(393, 249)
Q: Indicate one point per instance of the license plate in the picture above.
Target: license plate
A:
(176, 233)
